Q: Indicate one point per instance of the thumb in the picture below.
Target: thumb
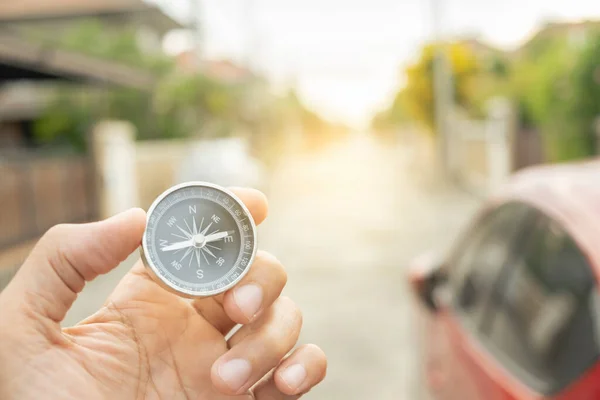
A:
(67, 256)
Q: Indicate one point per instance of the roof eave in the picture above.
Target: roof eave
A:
(71, 66)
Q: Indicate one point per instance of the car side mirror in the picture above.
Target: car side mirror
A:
(426, 275)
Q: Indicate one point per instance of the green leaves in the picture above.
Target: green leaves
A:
(555, 85)
(416, 99)
(181, 104)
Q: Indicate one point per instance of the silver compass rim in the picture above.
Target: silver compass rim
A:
(154, 271)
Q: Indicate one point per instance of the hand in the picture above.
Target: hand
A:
(146, 343)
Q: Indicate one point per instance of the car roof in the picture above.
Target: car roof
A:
(568, 193)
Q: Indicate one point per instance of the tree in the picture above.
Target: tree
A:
(67, 118)
(585, 101)
(554, 87)
(416, 99)
(180, 105)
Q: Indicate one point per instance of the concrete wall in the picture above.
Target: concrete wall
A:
(133, 174)
(114, 156)
(157, 163)
(130, 173)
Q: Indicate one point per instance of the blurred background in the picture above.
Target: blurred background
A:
(375, 127)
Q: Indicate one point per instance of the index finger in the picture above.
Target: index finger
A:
(255, 201)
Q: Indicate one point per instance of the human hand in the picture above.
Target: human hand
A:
(146, 343)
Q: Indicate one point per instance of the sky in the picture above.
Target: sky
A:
(345, 56)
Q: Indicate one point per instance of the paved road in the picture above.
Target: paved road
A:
(345, 222)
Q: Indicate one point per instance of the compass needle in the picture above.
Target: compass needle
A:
(213, 237)
(178, 246)
(198, 256)
(200, 259)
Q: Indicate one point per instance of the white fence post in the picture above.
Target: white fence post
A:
(114, 148)
(498, 139)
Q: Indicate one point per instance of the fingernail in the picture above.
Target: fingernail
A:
(294, 376)
(235, 373)
(249, 299)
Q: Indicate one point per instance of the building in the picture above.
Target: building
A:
(221, 70)
(576, 33)
(30, 54)
(38, 190)
(55, 17)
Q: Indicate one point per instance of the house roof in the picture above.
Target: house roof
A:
(226, 70)
(21, 59)
(19, 9)
(221, 69)
(15, 11)
(557, 28)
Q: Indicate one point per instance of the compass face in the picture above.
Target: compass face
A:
(200, 239)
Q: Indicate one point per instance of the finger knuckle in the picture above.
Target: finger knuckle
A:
(291, 314)
(57, 232)
(267, 257)
(281, 274)
(273, 268)
(273, 334)
(318, 356)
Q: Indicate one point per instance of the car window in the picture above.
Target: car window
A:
(478, 262)
(542, 320)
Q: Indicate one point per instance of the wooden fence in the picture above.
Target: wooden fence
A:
(37, 192)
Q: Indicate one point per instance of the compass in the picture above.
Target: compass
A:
(200, 239)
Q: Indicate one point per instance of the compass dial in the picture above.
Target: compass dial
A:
(200, 239)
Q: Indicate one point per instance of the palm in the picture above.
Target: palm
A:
(155, 344)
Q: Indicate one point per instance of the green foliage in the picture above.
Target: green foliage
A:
(554, 81)
(498, 67)
(553, 85)
(180, 105)
(585, 96)
(197, 103)
(416, 99)
(74, 108)
(93, 38)
(64, 122)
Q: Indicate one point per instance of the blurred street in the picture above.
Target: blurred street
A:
(374, 146)
(345, 222)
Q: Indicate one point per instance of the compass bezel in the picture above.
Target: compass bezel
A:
(154, 271)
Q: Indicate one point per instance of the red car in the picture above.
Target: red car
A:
(513, 310)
